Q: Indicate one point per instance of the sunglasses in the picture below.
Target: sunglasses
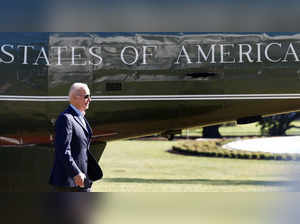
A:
(87, 96)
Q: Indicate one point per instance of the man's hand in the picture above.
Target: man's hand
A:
(79, 179)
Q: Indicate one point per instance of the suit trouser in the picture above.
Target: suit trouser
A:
(70, 189)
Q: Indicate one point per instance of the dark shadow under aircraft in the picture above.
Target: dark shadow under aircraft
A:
(141, 84)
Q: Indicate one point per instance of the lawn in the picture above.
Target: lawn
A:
(145, 166)
(252, 129)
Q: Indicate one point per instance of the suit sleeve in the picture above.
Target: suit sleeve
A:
(64, 130)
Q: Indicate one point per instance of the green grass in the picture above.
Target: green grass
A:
(145, 166)
(241, 130)
(236, 130)
(194, 208)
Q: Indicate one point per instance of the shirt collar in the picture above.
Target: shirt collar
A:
(78, 112)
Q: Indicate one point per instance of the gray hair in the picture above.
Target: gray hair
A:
(76, 87)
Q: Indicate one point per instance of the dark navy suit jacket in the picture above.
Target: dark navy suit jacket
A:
(72, 155)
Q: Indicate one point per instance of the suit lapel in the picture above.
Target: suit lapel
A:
(87, 129)
(80, 122)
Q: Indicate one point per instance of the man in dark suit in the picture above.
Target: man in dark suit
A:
(74, 166)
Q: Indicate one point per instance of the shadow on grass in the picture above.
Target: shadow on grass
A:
(198, 181)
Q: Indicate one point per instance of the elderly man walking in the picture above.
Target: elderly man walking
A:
(74, 167)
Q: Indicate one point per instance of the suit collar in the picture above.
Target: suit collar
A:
(71, 111)
(79, 113)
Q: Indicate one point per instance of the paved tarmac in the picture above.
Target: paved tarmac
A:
(287, 144)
